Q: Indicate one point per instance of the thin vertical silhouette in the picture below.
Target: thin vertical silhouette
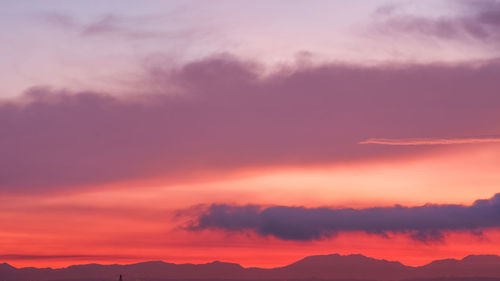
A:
(121, 279)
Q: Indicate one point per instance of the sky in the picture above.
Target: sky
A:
(254, 132)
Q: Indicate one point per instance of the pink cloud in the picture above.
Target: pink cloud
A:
(227, 116)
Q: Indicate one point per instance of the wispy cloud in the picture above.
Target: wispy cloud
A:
(470, 20)
(431, 141)
(125, 27)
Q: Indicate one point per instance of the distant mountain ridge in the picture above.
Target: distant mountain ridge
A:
(324, 267)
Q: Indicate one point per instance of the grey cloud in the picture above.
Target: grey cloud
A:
(424, 223)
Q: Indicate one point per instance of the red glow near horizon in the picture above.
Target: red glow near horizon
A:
(269, 253)
(135, 224)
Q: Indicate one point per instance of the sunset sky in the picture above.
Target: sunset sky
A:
(254, 132)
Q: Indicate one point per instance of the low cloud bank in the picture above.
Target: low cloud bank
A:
(424, 223)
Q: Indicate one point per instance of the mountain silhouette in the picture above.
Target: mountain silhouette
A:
(347, 267)
(323, 267)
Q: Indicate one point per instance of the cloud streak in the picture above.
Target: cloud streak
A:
(125, 27)
(424, 223)
(431, 141)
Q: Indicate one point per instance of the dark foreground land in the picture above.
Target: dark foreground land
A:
(313, 279)
(314, 268)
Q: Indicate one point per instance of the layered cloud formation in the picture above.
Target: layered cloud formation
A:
(423, 223)
(221, 114)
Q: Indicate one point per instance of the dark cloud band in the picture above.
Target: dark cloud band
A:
(423, 223)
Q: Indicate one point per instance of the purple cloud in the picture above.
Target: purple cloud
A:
(220, 114)
(476, 20)
(423, 223)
